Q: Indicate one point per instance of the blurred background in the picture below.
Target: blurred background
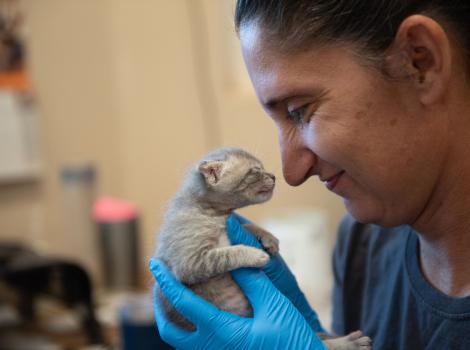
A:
(104, 104)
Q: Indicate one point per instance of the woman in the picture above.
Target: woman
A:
(373, 97)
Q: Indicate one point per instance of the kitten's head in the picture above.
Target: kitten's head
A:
(234, 178)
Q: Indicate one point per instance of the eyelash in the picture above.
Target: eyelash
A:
(253, 175)
(297, 115)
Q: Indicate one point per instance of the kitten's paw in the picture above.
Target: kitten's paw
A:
(270, 243)
(259, 257)
(352, 341)
(359, 341)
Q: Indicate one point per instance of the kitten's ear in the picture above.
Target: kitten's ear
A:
(211, 170)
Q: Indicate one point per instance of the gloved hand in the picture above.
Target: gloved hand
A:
(276, 269)
(276, 323)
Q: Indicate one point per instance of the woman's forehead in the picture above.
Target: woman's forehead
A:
(277, 76)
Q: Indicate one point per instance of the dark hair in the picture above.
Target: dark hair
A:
(295, 25)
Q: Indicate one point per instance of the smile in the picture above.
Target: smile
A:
(331, 182)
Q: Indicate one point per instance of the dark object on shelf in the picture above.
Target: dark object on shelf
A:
(32, 275)
(142, 337)
(137, 325)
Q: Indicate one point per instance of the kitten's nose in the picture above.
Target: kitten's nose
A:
(272, 176)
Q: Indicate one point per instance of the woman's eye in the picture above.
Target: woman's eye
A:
(297, 115)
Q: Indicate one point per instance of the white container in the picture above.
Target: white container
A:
(79, 239)
(305, 245)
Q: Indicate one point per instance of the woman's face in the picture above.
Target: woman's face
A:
(366, 137)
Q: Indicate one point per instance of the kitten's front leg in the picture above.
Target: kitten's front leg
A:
(220, 260)
(269, 242)
(353, 341)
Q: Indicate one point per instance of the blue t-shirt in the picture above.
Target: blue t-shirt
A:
(379, 289)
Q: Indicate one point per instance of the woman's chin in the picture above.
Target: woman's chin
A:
(373, 213)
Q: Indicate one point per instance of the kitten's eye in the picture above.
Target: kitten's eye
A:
(253, 175)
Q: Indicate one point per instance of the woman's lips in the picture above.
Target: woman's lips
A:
(332, 181)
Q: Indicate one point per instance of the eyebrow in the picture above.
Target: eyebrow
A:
(316, 94)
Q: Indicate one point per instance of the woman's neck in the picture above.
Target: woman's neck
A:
(444, 226)
(445, 264)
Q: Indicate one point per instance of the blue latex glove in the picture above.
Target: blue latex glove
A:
(276, 324)
(277, 271)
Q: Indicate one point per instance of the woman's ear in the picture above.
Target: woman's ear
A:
(421, 51)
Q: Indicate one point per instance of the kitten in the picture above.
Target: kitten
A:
(193, 241)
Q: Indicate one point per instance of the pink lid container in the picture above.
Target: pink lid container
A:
(112, 210)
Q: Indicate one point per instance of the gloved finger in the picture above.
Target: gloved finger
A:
(169, 332)
(281, 276)
(238, 234)
(276, 269)
(301, 304)
(192, 307)
(284, 280)
(241, 219)
(257, 287)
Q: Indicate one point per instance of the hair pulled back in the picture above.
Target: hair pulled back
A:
(295, 25)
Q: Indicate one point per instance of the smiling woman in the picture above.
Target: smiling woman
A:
(345, 107)
(373, 98)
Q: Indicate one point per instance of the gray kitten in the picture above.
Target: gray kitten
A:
(193, 241)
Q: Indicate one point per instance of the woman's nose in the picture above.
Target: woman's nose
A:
(298, 162)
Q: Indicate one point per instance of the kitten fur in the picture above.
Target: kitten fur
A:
(193, 242)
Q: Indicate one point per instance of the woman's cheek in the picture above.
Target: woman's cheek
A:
(327, 143)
